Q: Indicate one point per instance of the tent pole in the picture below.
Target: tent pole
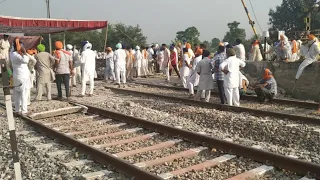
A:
(105, 42)
(64, 40)
(48, 16)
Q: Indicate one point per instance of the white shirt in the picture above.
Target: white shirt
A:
(109, 58)
(21, 73)
(4, 48)
(119, 57)
(150, 53)
(232, 64)
(240, 52)
(177, 56)
(88, 60)
(191, 53)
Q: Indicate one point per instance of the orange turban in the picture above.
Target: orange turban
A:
(58, 45)
(267, 74)
(311, 37)
(188, 46)
(30, 51)
(199, 51)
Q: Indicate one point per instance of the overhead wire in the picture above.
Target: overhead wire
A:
(254, 14)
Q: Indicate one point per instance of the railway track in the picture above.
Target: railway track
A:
(148, 150)
(302, 114)
(253, 98)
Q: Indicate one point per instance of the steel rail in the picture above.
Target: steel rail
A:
(302, 119)
(245, 97)
(98, 155)
(277, 160)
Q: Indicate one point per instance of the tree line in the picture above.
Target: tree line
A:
(289, 16)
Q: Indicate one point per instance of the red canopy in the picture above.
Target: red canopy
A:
(29, 42)
(45, 26)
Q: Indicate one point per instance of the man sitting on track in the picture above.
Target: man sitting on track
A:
(267, 88)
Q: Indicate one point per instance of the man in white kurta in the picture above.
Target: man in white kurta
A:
(109, 72)
(311, 54)
(76, 64)
(21, 76)
(230, 67)
(88, 61)
(194, 76)
(138, 61)
(119, 59)
(150, 59)
(185, 69)
(4, 48)
(204, 68)
(240, 50)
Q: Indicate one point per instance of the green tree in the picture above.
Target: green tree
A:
(191, 34)
(234, 33)
(289, 16)
(129, 35)
(214, 44)
(207, 43)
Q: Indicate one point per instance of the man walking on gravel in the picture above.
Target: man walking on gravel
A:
(88, 60)
(206, 82)
(45, 74)
(231, 70)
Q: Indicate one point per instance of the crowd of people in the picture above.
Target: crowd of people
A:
(195, 67)
(36, 67)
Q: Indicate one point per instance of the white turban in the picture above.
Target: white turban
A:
(87, 46)
(137, 48)
(69, 46)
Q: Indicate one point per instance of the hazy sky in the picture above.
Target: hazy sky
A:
(159, 19)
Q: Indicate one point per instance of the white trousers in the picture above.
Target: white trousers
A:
(294, 57)
(138, 69)
(120, 73)
(303, 65)
(204, 94)
(144, 67)
(233, 96)
(84, 85)
(77, 75)
(21, 100)
(109, 72)
(166, 71)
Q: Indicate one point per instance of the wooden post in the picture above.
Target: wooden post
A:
(105, 42)
(11, 123)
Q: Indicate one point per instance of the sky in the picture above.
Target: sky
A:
(159, 19)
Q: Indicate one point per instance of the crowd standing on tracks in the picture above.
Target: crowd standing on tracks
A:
(71, 66)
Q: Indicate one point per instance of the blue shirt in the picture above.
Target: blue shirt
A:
(272, 85)
(218, 59)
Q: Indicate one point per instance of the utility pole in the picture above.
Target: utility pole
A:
(253, 28)
(48, 16)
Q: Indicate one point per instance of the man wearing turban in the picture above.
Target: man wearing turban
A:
(63, 69)
(88, 60)
(32, 62)
(4, 48)
(109, 74)
(255, 53)
(311, 55)
(230, 68)
(44, 72)
(119, 59)
(284, 52)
